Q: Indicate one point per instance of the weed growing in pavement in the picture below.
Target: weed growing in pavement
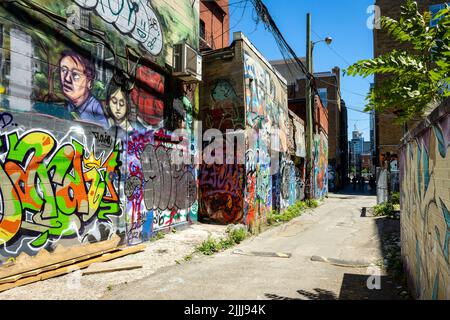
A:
(395, 198)
(237, 235)
(158, 236)
(386, 209)
(211, 246)
(312, 203)
(292, 212)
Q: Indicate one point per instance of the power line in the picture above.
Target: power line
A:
(338, 54)
(227, 5)
(236, 24)
(263, 15)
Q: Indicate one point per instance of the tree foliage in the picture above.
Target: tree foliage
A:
(416, 78)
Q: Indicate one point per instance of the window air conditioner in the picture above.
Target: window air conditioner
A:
(187, 63)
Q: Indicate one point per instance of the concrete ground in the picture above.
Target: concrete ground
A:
(341, 242)
(330, 249)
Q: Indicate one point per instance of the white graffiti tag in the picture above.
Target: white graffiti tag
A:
(131, 17)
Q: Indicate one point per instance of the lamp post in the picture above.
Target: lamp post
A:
(308, 98)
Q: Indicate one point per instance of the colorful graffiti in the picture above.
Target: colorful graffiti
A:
(226, 112)
(222, 193)
(288, 186)
(299, 138)
(266, 100)
(160, 193)
(148, 96)
(85, 149)
(425, 203)
(133, 18)
(320, 166)
(53, 190)
(332, 178)
(266, 109)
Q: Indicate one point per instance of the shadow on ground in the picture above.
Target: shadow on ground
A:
(354, 287)
(390, 286)
(318, 294)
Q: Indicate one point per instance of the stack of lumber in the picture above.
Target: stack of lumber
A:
(61, 261)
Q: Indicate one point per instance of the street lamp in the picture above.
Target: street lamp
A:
(327, 40)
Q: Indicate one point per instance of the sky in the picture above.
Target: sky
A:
(344, 20)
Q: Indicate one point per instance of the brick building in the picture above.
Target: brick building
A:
(328, 84)
(93, 114)
(214, 24)
(387, 133)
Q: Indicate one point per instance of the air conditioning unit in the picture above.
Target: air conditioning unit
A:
(187, 63)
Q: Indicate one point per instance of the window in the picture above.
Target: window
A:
(323, 94)
(434, 9)
(202, 29)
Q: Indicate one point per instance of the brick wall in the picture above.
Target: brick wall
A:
(216, 19)
(425, 205)
(85, 151)
(388, 133)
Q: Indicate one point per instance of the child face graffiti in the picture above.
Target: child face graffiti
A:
(118, 105)
(74, 82)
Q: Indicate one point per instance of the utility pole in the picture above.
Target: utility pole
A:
(309, 121)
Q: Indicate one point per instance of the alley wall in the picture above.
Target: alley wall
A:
(425, 203)
(88, 107)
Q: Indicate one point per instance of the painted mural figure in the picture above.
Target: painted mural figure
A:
(118, 107)
(77, 77)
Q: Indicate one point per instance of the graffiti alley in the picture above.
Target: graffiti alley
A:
(333, 251)
(202, 149)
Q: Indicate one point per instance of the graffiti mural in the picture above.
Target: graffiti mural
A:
(148, 97)
(56, 189)
(87, 122)
(222, 193)
(266, 109)
(226, 112)
(133, 18)
(425, 223)
(160, 193)
(332, 178)
(320, 166)
(299, 138)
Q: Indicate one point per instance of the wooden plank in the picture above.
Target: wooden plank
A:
(25, 263)
(54, 266)
(68, 269)
(103, 267)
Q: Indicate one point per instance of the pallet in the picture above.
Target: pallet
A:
(59, 271)
(25, 263)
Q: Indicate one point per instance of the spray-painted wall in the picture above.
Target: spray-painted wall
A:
(425, 206)
(320, 154)
(89, 109)
(242, 92)
(267, 115)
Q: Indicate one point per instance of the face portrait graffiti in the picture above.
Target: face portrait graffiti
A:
(118, 105)
(77, 75)
(76, 80)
